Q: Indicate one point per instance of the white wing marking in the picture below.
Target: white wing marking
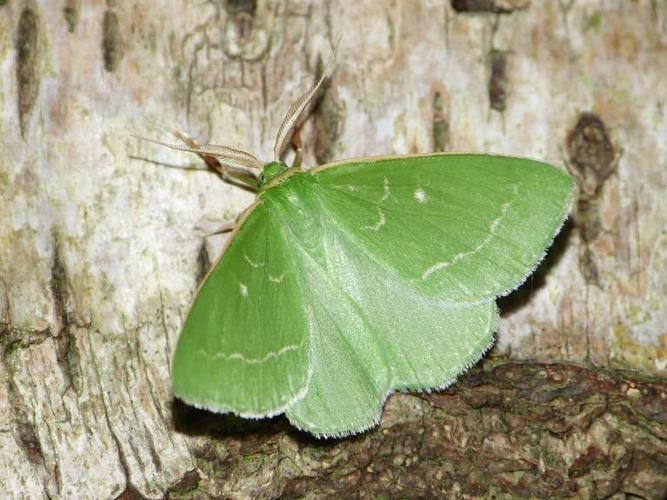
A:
(439, 266)
(275, 279)
(252, 262)
(421, 196)
(246, 359)
(381, 221)
(386, 192)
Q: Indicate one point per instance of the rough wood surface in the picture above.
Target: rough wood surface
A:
(101, 246)
(511, 430)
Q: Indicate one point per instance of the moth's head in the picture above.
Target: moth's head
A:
(270, 171)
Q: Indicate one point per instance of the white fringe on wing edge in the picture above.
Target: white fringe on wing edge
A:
(564, 216)
(475, 356)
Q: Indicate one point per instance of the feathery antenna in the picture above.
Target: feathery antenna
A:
(295, 111)
(231, 156)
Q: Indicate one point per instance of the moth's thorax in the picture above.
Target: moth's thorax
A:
(271, 171)
(294, 199)
(288, 189)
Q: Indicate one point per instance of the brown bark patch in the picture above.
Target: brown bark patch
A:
(592, 159)
(591, 153)
(490, 6)
(498, 80)
(29, 442)
(71, 14)
(112, 43)
(27, 72)
(328, 114)
(440, 125)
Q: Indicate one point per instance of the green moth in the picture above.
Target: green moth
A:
(347, 282)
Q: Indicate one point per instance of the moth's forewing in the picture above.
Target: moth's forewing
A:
(460, 227)
(244, 345)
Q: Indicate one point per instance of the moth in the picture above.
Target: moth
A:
(346, 282)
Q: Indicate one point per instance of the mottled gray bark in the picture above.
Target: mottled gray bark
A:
(101, 247)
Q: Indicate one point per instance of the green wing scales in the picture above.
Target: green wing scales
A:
(389, 270)
(244, 345)
(384, 317)
(461, 227)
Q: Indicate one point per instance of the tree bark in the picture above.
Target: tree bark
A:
(102, 247)
(508, 430)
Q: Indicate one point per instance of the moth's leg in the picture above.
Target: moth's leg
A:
(189, 167)
(225, 228)
(298, 148)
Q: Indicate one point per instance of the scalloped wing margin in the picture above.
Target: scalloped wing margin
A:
(372, 331)
(414, 252)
